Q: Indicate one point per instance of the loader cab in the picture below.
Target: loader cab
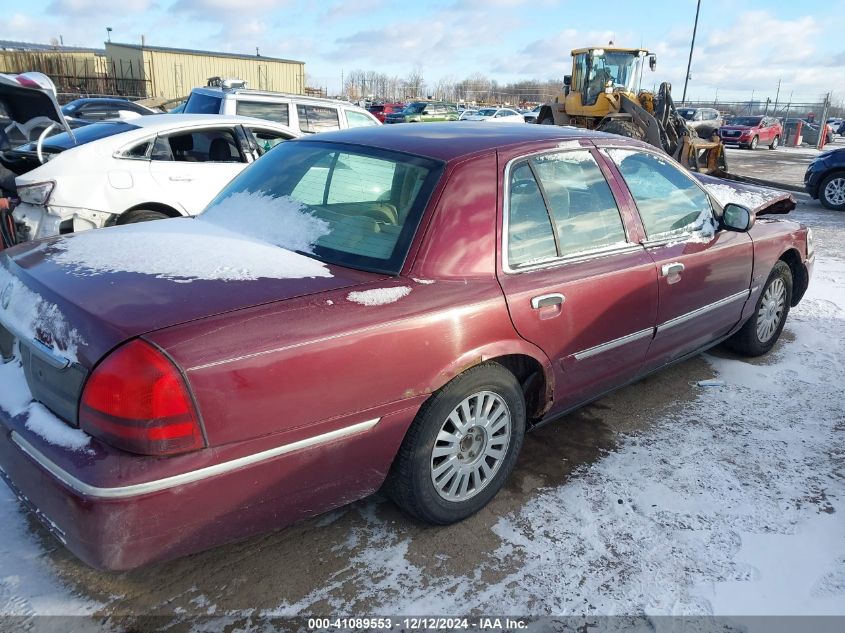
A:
(596, 71)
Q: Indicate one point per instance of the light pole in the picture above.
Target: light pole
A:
(108, 33)
(691, 46)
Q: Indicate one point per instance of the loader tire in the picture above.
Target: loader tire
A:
(624, 128)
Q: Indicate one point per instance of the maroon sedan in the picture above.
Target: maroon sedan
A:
(751, 131)
(376, 307)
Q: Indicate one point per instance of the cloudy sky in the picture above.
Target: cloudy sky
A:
(741, 46)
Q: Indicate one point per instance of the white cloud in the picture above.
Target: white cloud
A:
(79, 8)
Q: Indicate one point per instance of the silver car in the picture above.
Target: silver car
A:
(705, 121)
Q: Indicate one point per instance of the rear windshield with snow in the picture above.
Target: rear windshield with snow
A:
(343, 204)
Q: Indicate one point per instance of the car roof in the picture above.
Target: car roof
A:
(250, 92)
(100, 100)
(168, 121)
(453, 140)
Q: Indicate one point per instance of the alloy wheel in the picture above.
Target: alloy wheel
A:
(834, 191)
(471, 446)
(771, 310)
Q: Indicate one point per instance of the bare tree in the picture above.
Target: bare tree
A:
(415, 82)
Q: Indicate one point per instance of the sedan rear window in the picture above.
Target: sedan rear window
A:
(367, 201)
(85, 134)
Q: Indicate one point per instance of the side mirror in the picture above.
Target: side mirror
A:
(567, 80)
(652, 62)
(735, 217)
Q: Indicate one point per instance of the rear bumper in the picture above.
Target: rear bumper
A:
(114, 526)
(48, 221)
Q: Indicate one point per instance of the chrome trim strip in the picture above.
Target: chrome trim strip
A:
(121, 492)
(703, 310)
(619, 342)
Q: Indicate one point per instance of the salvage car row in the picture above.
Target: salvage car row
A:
(377, 307)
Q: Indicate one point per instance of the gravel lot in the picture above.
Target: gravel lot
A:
(665, 498)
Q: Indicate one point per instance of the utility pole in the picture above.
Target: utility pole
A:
(691, 47)
(777, 94)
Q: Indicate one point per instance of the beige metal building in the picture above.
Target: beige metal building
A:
(170, 73)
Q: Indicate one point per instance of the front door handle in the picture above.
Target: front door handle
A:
(675, 268)
(180, 179)
(543, 301)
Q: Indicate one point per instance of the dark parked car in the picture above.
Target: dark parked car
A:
(751, 131)
(825, 179)
(381, 110)
(93, 109)
(810, 130)
(374, 307)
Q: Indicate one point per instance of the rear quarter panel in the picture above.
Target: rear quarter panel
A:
(773, 238)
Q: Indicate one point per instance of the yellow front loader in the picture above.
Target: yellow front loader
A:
(604, 93)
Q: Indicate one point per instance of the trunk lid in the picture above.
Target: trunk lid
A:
(29, 100)
(83, 294)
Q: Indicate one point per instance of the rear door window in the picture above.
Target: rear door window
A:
(201, 146)
(315, 118)
(357, 119)
(278, 112)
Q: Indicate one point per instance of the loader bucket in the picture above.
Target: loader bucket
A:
(702, 155)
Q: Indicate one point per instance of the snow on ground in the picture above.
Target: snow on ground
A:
(730, 507)
(378, 296)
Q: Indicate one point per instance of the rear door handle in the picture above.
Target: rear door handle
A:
(180, 179)
(675, 268)
(543, 301)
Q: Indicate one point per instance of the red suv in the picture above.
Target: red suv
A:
(751, 131)
(381, 110)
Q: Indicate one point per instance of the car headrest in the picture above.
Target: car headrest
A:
(219, 150)
(183, 143)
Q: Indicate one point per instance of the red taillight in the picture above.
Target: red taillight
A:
(137, 400)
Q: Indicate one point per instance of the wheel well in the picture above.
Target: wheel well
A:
(529, 372)
(152, 206)
(800, 277)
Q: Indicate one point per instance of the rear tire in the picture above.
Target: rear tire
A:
(141, 215)
(762, 330)
(775, 143)
(832, 191)
(623, 127)
(470, 430)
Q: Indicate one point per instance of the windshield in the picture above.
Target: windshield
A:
(71, 107)
(687, 113)
(85, 134)
(750, 121)
(357, 207)
(487, 112)
(199, 103)
(621, 69)
(414, 108)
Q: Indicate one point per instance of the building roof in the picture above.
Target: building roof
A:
(34, 47)
(192, 51)
(450, 141)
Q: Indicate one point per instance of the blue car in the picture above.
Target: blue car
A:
(825, 179)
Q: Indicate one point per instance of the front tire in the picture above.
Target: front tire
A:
(623, 127)
(754, 142)
(775, 143)
(832, 192)
(461, 447)
(762, 330)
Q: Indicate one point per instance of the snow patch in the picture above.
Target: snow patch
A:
(379, 296)
(424, 282)
(16, 399)
(280, 221)
(41, 422)
(181, 250)
(32, 317)
(751, 199)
